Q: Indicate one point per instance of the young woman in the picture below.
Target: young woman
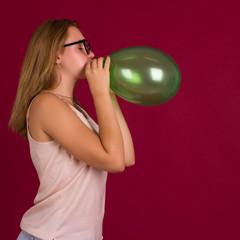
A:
(71, 153)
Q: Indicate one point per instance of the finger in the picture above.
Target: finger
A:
(107, 62)
(94, 63)
(88, 66)
(100, 62)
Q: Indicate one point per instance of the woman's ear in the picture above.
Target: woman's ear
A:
(59, 58)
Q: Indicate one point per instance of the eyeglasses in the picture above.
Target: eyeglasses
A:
(85, 43)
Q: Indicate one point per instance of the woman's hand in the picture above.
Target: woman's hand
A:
(98, 76)
(111, 92)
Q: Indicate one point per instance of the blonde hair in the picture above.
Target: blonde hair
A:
(39, 68)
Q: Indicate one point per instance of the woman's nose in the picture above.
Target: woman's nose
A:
(91, 54)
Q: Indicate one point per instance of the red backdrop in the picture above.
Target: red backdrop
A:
(185, 184)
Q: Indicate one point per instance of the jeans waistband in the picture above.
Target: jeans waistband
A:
(29, 236)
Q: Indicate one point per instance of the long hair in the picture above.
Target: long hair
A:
(39, 68)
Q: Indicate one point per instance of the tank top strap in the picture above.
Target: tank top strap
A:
(82, 110)
(29, 107)
(27, 117)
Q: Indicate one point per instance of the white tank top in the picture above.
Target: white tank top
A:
(70, 201)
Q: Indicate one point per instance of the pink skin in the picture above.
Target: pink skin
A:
(71, 63)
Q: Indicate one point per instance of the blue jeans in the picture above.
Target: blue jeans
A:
(25, 236)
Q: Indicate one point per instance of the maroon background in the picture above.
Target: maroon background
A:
(185, 184)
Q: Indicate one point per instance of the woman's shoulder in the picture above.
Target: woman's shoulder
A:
(44, 104)
(45, 112)
(44, 98)
(39, 114)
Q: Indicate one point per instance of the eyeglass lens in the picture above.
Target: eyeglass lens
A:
(87, 46)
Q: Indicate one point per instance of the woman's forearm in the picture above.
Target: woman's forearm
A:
(127, 138)
(109, 128)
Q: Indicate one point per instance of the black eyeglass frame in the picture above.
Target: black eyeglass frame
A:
(86, 46)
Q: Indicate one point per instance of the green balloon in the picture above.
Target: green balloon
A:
(143, 75)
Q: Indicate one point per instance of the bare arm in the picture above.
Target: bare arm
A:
(127, 138)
